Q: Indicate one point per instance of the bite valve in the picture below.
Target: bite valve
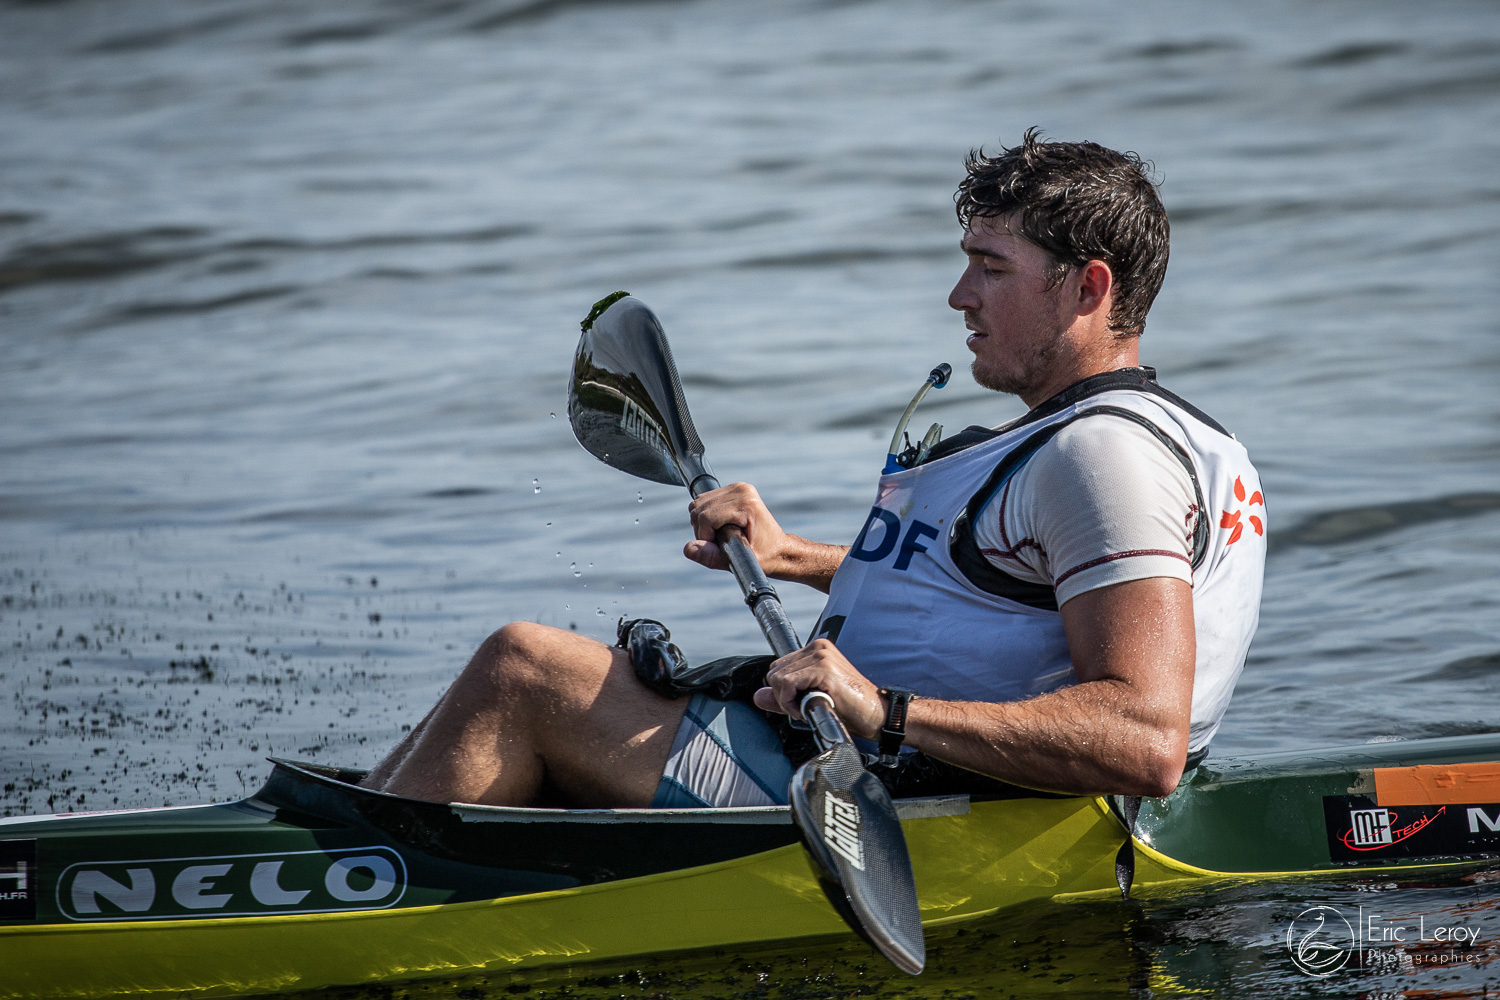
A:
(936, 379)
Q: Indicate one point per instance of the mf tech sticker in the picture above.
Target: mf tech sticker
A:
(17, 880)
(1360, 829)
(235, 885)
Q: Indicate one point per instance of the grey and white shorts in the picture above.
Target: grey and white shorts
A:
(725, 754)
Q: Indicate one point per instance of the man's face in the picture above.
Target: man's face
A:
(1017, 324)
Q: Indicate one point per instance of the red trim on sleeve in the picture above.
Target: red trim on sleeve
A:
(1127, 554)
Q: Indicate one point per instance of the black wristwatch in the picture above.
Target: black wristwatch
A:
(893, 733)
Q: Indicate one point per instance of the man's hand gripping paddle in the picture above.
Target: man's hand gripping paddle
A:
(626, 406)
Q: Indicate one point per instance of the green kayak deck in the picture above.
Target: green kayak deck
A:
(313, 882)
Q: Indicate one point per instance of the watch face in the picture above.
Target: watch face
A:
(895, 714)
(893, 732)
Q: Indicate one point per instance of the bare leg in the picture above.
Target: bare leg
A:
(538, 709)
(381, 773)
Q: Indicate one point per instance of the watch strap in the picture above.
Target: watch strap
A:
(893, 732)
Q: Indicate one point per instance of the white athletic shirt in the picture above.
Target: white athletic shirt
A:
(1102, 502)
(915, 604)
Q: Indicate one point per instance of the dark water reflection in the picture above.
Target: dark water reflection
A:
(1228, 942)
(1036, 951)
(288, 294)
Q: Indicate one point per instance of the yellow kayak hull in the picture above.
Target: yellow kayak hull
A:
(999, 854)
(1283, 816)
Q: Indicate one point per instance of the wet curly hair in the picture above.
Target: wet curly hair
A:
(1079, 201)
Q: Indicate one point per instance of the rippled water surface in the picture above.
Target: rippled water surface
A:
(288, 294)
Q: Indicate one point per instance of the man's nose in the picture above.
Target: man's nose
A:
(962, 297)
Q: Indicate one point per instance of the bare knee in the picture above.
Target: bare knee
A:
(525, 655)
(523, 641)
(510, 655)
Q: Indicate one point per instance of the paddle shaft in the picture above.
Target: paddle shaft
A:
(626, 406)
(816, 706)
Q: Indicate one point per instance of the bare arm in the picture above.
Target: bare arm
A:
(782, 555)
(1123, 729)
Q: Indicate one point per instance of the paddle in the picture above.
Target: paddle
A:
(626, 406)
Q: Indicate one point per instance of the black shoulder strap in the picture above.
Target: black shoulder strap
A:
(1172, 397)
(1141, 379)
(964, 549)
(966, 438)
(985, 575)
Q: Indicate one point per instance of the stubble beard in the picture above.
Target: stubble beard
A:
(1033, 372)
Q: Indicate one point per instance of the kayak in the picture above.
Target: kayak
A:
(314, 882)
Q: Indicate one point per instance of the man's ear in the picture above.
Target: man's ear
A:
(1096, 285)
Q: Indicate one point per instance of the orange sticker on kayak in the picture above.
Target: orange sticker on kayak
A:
(1437, 784)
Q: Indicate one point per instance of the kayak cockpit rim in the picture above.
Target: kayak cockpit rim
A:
(345, 780)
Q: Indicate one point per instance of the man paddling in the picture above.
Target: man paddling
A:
(1063, 602)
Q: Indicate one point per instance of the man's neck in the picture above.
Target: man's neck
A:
(1107, 354)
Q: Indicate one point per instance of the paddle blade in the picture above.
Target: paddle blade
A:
(849, 825)
(625, 401)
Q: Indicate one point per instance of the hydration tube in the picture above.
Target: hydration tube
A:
(936, 379)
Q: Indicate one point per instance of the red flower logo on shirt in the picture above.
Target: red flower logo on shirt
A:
(1232, 521)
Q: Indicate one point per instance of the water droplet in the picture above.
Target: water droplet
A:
(557, 555)
(536, 487)
(639, 498)
(567, 607)
(637, 520)
(599, 612)
(575, 569)
(552, 415)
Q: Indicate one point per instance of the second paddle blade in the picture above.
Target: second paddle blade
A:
(849, 822)
(625, 401)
